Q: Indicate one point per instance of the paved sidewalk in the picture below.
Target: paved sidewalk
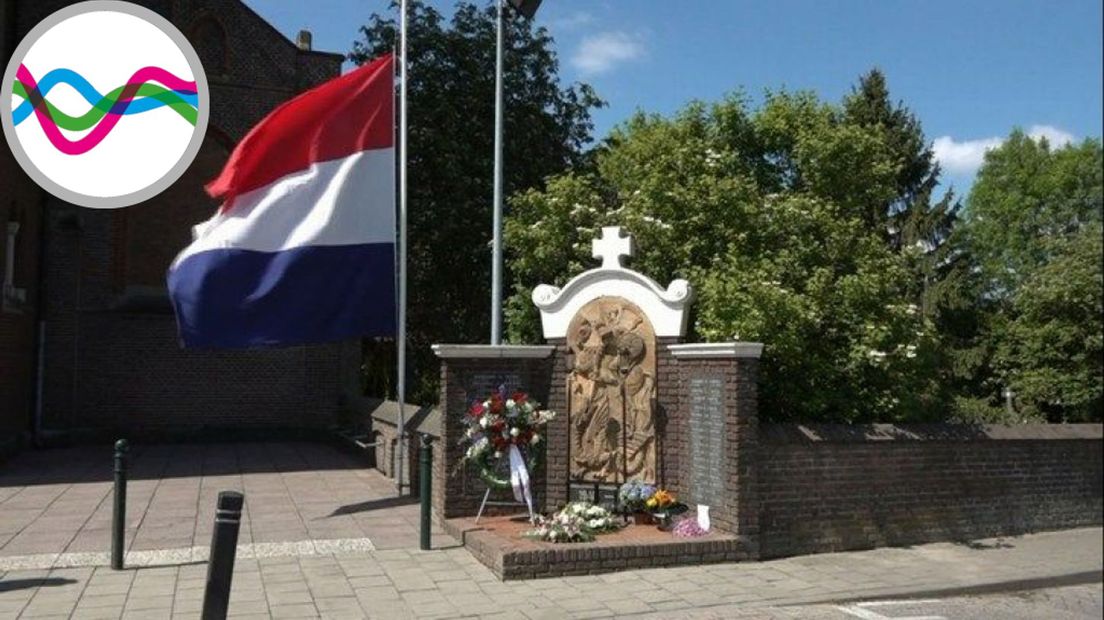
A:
(449, 583)
(59, 501)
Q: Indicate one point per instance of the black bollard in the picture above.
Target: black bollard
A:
(118, 515)
(224, 546)
(425, 465)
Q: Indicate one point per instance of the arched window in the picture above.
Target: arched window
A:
(209, 39)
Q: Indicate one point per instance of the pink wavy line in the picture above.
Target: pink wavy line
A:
(90, 140)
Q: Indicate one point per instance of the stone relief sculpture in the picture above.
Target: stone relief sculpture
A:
(612, 393)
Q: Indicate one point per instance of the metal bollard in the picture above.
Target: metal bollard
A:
(425, 465)
(224, 546)
(118, 515)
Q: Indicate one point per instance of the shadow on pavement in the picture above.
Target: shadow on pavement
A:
(375, 504)
(21, 584)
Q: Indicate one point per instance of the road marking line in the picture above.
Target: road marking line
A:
(860, 612)
(915, 601)
(186, 555)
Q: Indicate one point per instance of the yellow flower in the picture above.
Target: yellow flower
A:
(651, 503)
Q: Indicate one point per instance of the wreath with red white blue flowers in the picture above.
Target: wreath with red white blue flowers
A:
(499, 422)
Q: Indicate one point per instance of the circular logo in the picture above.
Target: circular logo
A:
(108, 104)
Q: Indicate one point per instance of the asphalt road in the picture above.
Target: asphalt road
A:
(1064, 603)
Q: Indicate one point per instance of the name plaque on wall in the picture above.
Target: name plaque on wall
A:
(604, 495)
(708, 472)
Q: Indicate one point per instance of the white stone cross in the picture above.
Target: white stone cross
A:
(611, 247)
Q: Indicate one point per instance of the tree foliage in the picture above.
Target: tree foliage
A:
(781, 217)
(1032, 233)
(451, 121)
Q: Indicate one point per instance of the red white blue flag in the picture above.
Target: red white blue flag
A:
(303, 248)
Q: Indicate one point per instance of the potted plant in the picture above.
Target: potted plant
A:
(664, 506)
(633, 497)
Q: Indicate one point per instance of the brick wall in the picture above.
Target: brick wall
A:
(557, 459)
(20, 203)
(457, 489)
(736, 510)
(829, 488)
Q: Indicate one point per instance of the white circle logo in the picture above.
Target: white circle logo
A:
(108, 104)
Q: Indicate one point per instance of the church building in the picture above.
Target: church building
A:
(88, 340)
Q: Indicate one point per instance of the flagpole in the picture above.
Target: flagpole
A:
(401, 338)
(496, 259)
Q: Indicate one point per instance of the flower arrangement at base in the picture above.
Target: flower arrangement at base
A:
(633, 494)
(577, 522)
(687, 527)
(597, 519)
(500, 425)
(650, 503)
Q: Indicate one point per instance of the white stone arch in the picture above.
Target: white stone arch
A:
(665, 308)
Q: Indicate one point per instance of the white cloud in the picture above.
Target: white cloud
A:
(1056, 137)
(962, 157)
(602, 52)
(967, 156)
(571, 21)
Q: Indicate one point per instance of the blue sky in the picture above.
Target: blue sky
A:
(971, 70)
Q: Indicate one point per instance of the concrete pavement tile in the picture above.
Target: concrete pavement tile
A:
(369, 581)
(377, 593)
(584, 615)
(277, 598)
(92, 601)
(294, 611)
(339, 603)
(239, 607)
(148, 603)
(97, 613)
(387, 610)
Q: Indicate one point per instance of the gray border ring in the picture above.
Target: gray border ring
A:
(155, 188)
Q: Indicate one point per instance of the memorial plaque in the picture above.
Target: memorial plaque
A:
(708, 472)
(604, 495)
(582, 492)
(607, 497)
(479, 385)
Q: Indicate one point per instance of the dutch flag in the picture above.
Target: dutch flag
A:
(303, 248)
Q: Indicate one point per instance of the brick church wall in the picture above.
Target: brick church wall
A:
(112, 360)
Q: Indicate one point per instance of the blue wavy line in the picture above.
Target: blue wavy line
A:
(91, 95)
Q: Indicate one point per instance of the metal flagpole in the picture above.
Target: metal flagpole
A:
(401, 340)
(496, 263)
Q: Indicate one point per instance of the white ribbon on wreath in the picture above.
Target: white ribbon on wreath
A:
(519, 478)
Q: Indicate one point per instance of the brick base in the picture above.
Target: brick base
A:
(497, 543)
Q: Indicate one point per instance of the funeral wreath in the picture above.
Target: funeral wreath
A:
(505, 426)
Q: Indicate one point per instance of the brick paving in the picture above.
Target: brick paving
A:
(307, 484)
(59, 501)
(449, 583)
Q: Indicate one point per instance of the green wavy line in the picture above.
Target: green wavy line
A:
(103, 106)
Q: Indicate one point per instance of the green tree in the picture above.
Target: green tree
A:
(1053, 349)
(1027, 195)
(1031, 231)
(451, 108)
(769, 213)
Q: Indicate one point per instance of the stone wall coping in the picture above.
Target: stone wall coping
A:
(419, 419)
(702, 350)
(880, 433)
(492, 351)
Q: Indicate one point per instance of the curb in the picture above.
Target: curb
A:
(1017, 585)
